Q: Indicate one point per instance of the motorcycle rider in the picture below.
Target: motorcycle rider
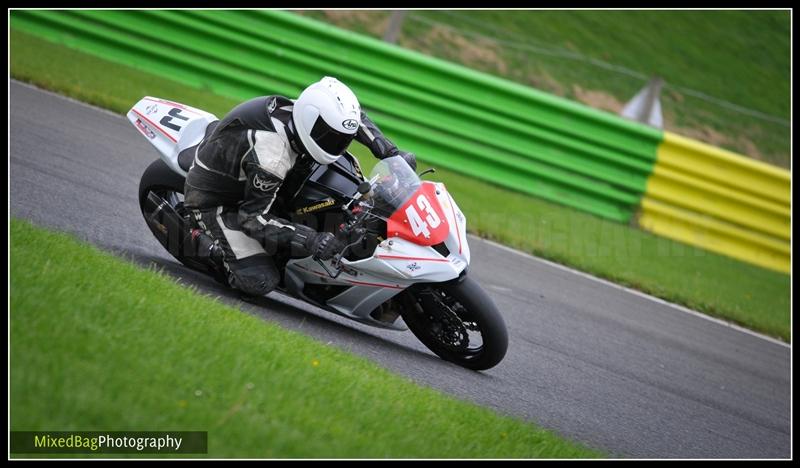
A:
(264, 145)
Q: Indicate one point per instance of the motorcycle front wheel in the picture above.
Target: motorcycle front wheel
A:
(458, 321)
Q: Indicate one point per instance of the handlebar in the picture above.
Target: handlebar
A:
(353, 225)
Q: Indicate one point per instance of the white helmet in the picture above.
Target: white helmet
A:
(326, 118)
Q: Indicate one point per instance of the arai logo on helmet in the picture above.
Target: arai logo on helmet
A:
(350, 124)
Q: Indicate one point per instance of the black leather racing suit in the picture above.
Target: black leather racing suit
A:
(235, 179)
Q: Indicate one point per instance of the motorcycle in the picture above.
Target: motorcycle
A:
(406, 257)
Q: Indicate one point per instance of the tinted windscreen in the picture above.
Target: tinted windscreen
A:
(330, 140)
(393, 183)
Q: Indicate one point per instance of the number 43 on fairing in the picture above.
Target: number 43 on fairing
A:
(421, 219)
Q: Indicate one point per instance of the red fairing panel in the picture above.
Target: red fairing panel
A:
(421, 219)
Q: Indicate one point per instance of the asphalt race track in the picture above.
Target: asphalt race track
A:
(595, 363)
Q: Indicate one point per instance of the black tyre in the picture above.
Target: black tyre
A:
(458, 321)
(158, 177)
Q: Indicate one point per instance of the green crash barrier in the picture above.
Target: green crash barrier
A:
(453, 117)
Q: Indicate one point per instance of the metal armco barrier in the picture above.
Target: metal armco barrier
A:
(720, 201)
(453, 117)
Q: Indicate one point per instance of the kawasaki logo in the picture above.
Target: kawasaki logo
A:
(318, 206)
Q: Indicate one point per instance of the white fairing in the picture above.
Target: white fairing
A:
(395, 265)
(170, 126)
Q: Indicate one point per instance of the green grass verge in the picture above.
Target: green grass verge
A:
(751, 296)
(98, 343)
(700, 50)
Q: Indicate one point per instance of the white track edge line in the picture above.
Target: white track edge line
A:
(67, 98)
(633, 291)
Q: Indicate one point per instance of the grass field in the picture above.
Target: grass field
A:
(742, 57)
(98, 343)
(718, 285)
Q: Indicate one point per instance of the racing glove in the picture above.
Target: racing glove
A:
(322, 245)
(409, 158)
(326, 245)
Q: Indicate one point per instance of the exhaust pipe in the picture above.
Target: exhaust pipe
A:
(176, 235)
(167, 225)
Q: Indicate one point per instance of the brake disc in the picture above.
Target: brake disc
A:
(454, 332)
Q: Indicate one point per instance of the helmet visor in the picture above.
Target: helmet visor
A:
(329, 139)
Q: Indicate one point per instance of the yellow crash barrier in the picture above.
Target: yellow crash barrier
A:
(720, 201)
